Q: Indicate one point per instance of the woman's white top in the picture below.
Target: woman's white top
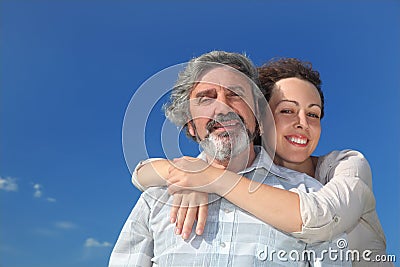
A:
(346, 203)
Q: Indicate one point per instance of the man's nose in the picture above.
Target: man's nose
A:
(222, 105)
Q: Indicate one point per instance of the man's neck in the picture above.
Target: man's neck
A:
(238, 163)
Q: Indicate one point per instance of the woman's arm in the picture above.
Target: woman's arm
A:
(282, 205)
(340, 204)
(312, 217)
(150, 172)
(187, 206)
(277, 207)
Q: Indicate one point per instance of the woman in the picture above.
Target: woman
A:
(346, 202)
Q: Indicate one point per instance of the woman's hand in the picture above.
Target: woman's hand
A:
(187, 207)
(194, 174)
(190, 179)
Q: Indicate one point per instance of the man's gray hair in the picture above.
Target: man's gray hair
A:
(177, 109)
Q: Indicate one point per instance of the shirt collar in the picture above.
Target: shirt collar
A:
(262, 160)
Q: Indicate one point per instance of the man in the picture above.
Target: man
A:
(216, 99)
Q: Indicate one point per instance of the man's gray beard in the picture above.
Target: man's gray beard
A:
(226, 145)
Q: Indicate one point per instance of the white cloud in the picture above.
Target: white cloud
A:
(38, 193)
(38, 190)
(8, 184)
(91, 242)
(65, 225)
(50, 199)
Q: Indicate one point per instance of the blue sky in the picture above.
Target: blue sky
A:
(70, 68)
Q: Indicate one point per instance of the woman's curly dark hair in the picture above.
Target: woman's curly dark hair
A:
(282, 68)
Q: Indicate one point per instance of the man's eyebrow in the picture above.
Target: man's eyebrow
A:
(236, 88)
(211, 90)
(205, 92)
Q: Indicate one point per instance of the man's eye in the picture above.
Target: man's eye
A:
(234, 94)
(204, 100)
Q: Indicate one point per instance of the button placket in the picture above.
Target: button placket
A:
(227, 217)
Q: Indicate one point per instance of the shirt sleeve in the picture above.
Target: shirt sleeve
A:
(135, 180)
(135, 244)
(339, 205)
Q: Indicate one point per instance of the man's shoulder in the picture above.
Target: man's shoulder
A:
(156, 189)
(155, 194)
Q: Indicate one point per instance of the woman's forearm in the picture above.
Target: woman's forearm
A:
(277, 207)
(152, 173)
(342, 200)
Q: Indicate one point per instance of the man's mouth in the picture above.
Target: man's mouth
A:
(297, 140)
(228, 122)
(226, 126)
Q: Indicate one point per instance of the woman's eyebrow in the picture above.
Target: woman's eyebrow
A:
(317, 105)
(287, 100)
(297, 103)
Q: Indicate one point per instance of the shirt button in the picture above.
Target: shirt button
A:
(227, 210)
(336, 219)
(222, 244)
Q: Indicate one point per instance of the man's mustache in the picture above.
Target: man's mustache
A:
(220, 118)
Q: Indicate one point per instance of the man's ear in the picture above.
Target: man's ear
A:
(191, 128)
(259, 121)
(260, 128)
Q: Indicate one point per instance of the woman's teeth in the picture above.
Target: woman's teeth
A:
(300, 141)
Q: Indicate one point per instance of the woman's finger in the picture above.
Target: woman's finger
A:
(201, 219)
(181, 218)
(176, 203)
(189, 221)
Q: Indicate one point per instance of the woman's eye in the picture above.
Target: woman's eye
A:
(286, 111)
(313, 115)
